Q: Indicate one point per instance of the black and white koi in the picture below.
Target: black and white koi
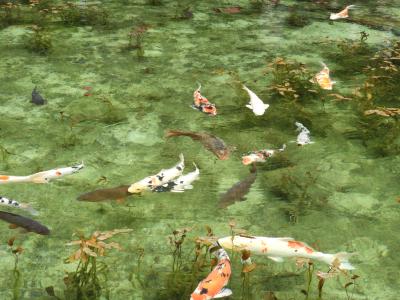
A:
(13, 203)
(42, 177)
(163, 177)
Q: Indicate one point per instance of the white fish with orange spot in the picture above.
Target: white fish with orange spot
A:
(261, 155)
(342, 14)
(279, 248)
(42, 177)
(256, 104)
(323, 79)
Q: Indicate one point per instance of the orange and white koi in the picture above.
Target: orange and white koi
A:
(202, 104)
(42, 177)
(342, 14)
(323, 79)
(255, 104)
(260, 155)
(213, 286)
(13, 203)
(277, 249)
(162, 177)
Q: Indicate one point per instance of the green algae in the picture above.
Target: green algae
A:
(118, 132)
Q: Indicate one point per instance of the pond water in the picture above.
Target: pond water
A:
(337, 194)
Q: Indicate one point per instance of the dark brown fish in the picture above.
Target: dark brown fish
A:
(238, 190)
(26, 223)
(118, 193)
(209, 141)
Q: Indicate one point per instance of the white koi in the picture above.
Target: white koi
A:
(13, 203)
(303, 138)
(42, 177)
(256, 104)
(277, 249)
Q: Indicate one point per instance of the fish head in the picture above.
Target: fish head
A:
(137, 188)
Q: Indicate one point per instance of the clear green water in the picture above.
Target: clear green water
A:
(355, 190)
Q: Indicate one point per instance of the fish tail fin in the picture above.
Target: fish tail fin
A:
(341, 258)
(29, 208)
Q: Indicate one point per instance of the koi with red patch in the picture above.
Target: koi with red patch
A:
(213, 286)
(279, 248)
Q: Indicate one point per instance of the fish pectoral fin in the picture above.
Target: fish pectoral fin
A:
(276, 258)
(249, 106)
(225, 292)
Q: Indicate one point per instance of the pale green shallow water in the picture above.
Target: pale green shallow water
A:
(360, 213)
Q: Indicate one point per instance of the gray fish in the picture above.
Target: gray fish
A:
(37, 98)
(209, 141)
(238, 190)
(118, 193)
(24, 222)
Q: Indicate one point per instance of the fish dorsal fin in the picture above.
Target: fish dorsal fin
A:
(276, 258)
(225, 292)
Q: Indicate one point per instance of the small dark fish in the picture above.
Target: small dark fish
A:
(37, 98)
(26, 223)
(238, 190)
(117, 193)
(209, 141)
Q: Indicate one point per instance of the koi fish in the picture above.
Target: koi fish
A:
(323, 79)
(342, 14)
(180, 184)
(238, 190)
(26, 223)
(210, 142)
(37, 98)
(256, 104)
(12, 203)
(213, 286)
(118, 193)
(303, 138)
(260, 156)
(202, 104)
(278, 248)
(162, 177)
(42, 177)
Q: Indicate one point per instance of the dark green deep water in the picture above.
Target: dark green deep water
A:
(118, 131)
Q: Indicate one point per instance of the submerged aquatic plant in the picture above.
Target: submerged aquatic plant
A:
(39, 41)
(83, 14)
(16, 274)
(84, 282)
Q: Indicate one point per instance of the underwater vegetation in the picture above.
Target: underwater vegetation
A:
(39, 41)
(90, 277)
(378, 102)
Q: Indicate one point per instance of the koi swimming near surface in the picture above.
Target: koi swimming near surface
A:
(162, 177)
(260, 155)
(213, 286)
(342, 14)
(202, 104)
(256, 104)
(209, 141)
(13, 203)
(118, 193)
(24, 222)
(277, 249)
(42, 177)
(182, 183)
